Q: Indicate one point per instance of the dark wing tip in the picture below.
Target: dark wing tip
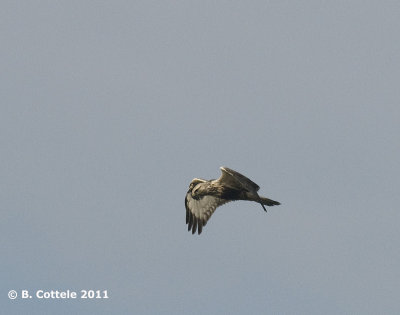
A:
(200, 226)
(190, 222)
(194, 225)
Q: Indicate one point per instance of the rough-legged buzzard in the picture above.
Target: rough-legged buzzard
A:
(204, 196)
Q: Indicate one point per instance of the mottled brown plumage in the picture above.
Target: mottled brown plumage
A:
(204, 196)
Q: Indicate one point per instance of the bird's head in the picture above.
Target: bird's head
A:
(193, 184)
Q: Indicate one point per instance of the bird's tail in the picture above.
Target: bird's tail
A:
(269, 202)
(262, 200)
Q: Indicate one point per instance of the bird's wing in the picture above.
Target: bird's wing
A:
(198, 211)
(236, 180)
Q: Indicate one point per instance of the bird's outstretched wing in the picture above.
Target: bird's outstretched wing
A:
(198, 211)
(236, 180)
(233, 179)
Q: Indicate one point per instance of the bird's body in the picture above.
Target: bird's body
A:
(204, 196)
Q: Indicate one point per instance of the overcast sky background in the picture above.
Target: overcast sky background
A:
(110, 108)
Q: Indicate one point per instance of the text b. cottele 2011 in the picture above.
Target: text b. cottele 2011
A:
(67, 294)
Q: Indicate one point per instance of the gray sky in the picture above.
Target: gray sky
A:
(109, 109)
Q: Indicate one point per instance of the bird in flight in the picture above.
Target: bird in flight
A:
(204, 196)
